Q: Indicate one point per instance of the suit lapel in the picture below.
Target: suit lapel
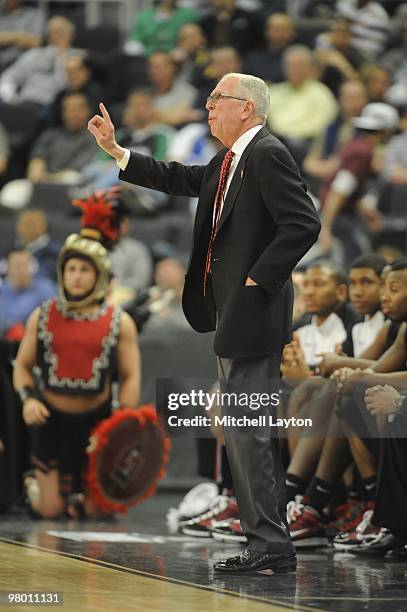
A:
(238, 177)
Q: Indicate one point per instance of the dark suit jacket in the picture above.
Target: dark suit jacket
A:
(268, 223)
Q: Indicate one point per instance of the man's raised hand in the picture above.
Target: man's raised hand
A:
(102, 129)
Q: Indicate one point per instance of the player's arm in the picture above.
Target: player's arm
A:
(129, 363)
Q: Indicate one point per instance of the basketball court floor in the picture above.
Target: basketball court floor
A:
(135, 563)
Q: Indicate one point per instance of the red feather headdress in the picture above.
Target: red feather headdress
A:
(100, 219)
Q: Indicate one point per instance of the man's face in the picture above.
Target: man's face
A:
(75, 113)
(79, 277)
(364, 290)
(320, 291)
(77, 73)
(161, 70)
(353, 98)
(394, 297)
(31, 225)
(19, 270)
(279, 31)
(224, 61)
(139, 111)
(297, 68)
(59, 32)
(225, 115)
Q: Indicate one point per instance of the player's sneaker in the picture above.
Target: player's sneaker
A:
(295, 508)
(358, 536)
(222, 508)
(197, 501)
(307, 529)
(228, 531)
(347, 517)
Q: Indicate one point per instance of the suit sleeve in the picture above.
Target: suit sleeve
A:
(172, 178)
(285, 195)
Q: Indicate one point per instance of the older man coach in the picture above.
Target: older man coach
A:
(253, 223)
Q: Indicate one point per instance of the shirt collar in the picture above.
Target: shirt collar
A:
(332, 323)
(241, 143)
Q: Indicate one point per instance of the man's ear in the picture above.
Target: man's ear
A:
(247, 110)
(342, 292)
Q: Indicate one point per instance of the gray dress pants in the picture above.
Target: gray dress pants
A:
(254, 455)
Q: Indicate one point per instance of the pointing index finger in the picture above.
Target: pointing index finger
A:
(104, 112)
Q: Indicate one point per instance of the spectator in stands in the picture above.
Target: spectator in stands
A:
(157, 28)
(301, 107)
(370, 25)
(141, 133)
(378, 81)
(395, 60)
(228, 24)
(222, 61)
(132, 263)
(32, 235)
(21, 292)
(323, 157)
(38, 75)
(21, 28)
(191, 55)
(395, 157)
(267, 63)
(337, 58)
(79, 79)
(341, 192)
(173, 99)
(60, 153)
(169, 276)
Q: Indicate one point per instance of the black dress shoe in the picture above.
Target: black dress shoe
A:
(251, 561)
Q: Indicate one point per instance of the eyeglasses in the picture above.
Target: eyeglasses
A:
(214, 98)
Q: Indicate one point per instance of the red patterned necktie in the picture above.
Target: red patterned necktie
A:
(224, 173)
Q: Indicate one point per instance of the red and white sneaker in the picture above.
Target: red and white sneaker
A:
(363, 532)
(222, 509)
(307, 529)
(295, 508)
(228, 531)
(347, 517)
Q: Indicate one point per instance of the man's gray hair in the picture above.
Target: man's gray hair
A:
(254, 89)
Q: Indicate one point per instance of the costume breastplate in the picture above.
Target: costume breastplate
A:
(77, 351)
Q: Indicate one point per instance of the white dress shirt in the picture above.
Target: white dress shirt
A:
(364, 333)
(323, 338)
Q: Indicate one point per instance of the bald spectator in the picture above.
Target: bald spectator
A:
(38, 75)
(301, 107)
(60, 153)
(157, 28)
(173, 99)
(228, 24)
(323, 157)
(267, 63)
(21, 293)
(21, 28)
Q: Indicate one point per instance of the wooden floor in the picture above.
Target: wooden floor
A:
(92, 587)
(137, 563)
